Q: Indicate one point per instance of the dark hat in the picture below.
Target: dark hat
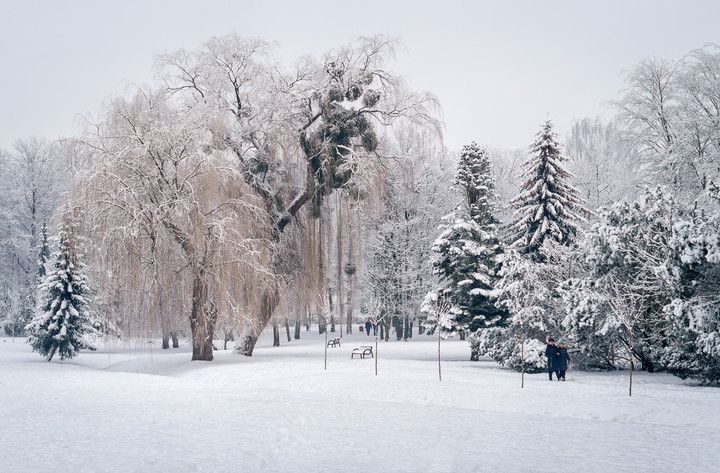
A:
(551, 339)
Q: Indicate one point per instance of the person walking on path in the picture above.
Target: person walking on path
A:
(368, 324)
(563, 359)
(553, 358)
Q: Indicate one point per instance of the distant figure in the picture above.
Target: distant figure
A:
(563, 359)
(368, 324)
(553, 358)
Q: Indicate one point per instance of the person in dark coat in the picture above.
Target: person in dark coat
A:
(553, 358)
(563, 359)
(368, 324)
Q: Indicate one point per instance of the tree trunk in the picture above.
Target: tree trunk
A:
(276, 334)
(349, 316)
(52, 353)
(339, 262)
(287, 329)
(174, 337)
(332, 318)
(267, 308)
(202, 320)
(297, 328)
(164, 327)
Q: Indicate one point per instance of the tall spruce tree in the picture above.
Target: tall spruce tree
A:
(63, 324)
(466, 254)
(548, 206)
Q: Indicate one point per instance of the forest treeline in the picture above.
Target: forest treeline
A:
(238, 192)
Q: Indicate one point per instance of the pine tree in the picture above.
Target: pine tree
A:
(63, 324)
(44, 253)
(467, 251)
(548, 206)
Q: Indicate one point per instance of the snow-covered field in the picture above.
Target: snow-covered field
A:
(126, 409)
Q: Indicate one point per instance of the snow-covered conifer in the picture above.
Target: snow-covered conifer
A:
(525, 289)
(63, 323)
(466, 252)
(548, 207)
(44, 252)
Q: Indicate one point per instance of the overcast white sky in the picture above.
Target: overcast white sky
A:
(499, 68)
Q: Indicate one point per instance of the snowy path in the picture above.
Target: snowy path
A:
(280, 412)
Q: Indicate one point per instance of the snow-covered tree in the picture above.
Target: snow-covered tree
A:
(670, 112)
(162, 198)
(605, 166)
(507, 175)
(63, 324)
(466, 254)
(43, 252)
(630, 243)
(694, 312)
(31, 178)
(548, 207)
(527, 290)
(401, 215)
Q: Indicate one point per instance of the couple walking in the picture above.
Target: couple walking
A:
(557, 359)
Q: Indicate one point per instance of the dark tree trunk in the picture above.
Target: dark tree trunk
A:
(287, 329)
(407, 328)
(276, 334)
(297, 329)
(174, 337)
(202, 320)
(165, 332)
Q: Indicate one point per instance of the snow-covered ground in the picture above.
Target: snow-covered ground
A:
(127, 409)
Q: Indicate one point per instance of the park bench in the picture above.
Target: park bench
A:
(335, 342)
(362, 352)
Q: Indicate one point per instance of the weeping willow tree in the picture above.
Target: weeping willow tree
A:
(165, 206)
